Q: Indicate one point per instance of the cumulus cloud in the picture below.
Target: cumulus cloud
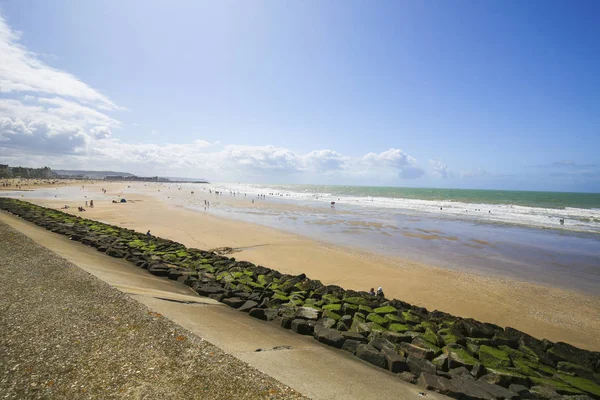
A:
(440, 168)
(325, 161)
(395, 159)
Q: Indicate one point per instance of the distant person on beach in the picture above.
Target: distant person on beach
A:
(148, 233)
(86, 203)
(380, 293)
(92, 203)
(372, 292)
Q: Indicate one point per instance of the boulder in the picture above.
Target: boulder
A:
(378, 319)
(234, 302)
(385, 310)
(475, 329)
(459, 357)
(350, 345)
(585, 385)
(159, 270)
(355, 336)
(478, 370)
(396, 337)
(473, 388)
(418, 365)
(578, 370)
(460, 372)
(308, 313)
(349, 309)
(565, 352)
(420, 342)
(248, 305)
(371, 355)
(415, 351)
(492, 357)
(505, 378)
(208, 290)
(441, 362)
(381, 343)
(217, 296)
(326, 322)
(360, 327)
(395, 362)
(398, 327)
(115, 253)
(328, 336)
(408, 377)
(266, 314)
(431, 381)
(302, 327)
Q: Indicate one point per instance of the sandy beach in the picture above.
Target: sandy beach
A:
(542, 311)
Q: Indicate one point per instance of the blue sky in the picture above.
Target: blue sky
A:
(445, 94)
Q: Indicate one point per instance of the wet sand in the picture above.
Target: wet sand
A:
(543, 311)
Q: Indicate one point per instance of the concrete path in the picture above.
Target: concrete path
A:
(313, 369)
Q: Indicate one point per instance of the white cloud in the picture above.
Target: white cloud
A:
(403, 164)
(22, 71)
(439, 168)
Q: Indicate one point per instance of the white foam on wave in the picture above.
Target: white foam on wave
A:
(576, 219)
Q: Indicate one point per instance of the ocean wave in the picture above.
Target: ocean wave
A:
(575, 219)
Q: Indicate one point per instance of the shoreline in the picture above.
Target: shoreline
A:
(552, 313)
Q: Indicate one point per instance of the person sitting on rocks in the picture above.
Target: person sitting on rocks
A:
(148, 233)
(372, 292)
(380, 292)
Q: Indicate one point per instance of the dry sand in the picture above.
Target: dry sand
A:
(542, 311)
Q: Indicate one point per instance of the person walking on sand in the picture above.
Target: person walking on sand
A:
(91, 203)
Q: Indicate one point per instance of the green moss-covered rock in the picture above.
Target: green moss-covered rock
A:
(357, 301)
(225, 277)
(385, 310)
(582, 384)
(262, 279)
(430, 336)
(349, 309)
(377, 319)
(331, 314)
(360, 327)
(359, 316)
(449, 336)
(375, 326)
(410, 318)
(458, 356)
(531, 368)
(430, 325)
(393, 318)
(493, 358)
(330, 299)
(365, 309)
(280, 297)
(332, 307)
(399, 328)
(558, 386)
(441, 362)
